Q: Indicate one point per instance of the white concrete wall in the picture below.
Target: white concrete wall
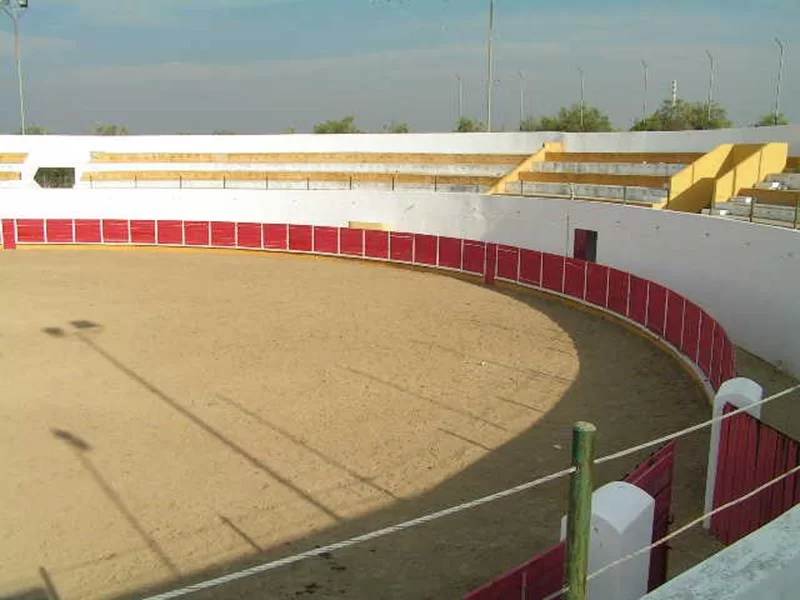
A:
(763, 565)
(746, 275)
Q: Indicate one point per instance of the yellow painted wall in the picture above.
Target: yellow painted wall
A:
(751, 164)
(499, 186)
(691, 189)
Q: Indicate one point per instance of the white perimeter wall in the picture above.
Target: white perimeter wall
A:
(747, 276)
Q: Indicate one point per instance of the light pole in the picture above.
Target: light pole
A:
(778, 85)
(460, 97)
(490, 68)
(521, 98)
(580, 72)
(644, 97)
(14, 9)
(710, 86)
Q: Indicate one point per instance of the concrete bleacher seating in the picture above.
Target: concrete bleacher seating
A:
(9, 167)
(282, 171)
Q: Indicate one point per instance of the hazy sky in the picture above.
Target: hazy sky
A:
(166, 66)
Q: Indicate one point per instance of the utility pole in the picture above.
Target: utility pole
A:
(490, 68)
(778, 85)
(14, 9)
(710, 87)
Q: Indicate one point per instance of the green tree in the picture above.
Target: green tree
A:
(290, 130)
(33, 130)
(396, 128)
(346, 125)
(224, 132)
(529, 124)
(684, 115)
(769, 119)
(108, 129)
(569, 119)
(469, 125)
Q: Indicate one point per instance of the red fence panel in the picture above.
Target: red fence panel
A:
(276, 237)
(691, 330)
(491, 264)
(401, 246)
(116, 231)
(507, 262)
(618, 291)
(248, 235)
(674, 324)
(301, 238)
(637, 304)
(530, 267)
(450, 253)
(326, 240)
(376, 244)
(425, 247)
(170, 232)
(596, 284)
(143, 232)
(196, 233)
(30, 231)
(553, 272)
(656, 308)
(223, 234)
(351, 241)
(706, 341)
(59, 231)
(717, 346)
(575, 277)
(9, 236)
(474, 256)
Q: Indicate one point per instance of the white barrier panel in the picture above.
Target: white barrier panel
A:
(741, 393)
(622, 522)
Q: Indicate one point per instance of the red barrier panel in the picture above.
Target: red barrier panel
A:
(143, 232)
(351, 241)
(530, 267)
(552, 272)
(596, 284)
(474, 257)
(674, 324)
(425, 249)
(116, 231)
(248, 235)
(507, 262)
(9, 236)
(618, 291)
(223, 234)
(716, 356)
(326, 240)
(656, 308)
(401, 247)
(575, 277)
(301, 238)
(707, 325)
(376, 244)
(196, 233)
(637, 302)
(30, 231)
(450, 253)
(170, 232)
(691, 330)
(491, 264)
(59, 231)
(276, 237)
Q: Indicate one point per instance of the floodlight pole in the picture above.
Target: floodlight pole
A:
(644, 97)
(490, 68)
(460, 97)
(710, 86)
(14, 9)
(580, 72)
(778, 85)
(521, 98)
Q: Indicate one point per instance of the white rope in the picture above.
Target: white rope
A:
(693, 428)
(681, 529)
(373, 535)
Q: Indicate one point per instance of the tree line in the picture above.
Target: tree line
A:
(678, 116)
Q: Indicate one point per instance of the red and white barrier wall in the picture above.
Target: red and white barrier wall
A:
(666, 314)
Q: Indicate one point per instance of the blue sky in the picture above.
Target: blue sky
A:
(252, 66)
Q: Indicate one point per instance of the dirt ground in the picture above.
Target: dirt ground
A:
(168, 416)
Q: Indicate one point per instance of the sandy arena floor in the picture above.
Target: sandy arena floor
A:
(170, 415)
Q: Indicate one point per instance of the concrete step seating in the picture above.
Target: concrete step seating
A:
(647, 169)
(786, 181)
(9, 167)
(747, 209)
(615, 193)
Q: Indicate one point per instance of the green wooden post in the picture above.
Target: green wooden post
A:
(580, 509)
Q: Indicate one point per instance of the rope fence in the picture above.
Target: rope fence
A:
(392, 529)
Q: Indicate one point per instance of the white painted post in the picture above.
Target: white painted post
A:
(739, 392)
(622, 522)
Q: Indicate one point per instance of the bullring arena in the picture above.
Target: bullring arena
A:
(220, 352)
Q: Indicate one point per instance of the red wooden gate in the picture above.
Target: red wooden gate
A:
(544, 574)
(751, 454)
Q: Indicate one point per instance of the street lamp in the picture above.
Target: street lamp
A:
(14, 9)
(710, 86)
(580, 72)
(644, 97)
(490, 68)
(778, 86)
